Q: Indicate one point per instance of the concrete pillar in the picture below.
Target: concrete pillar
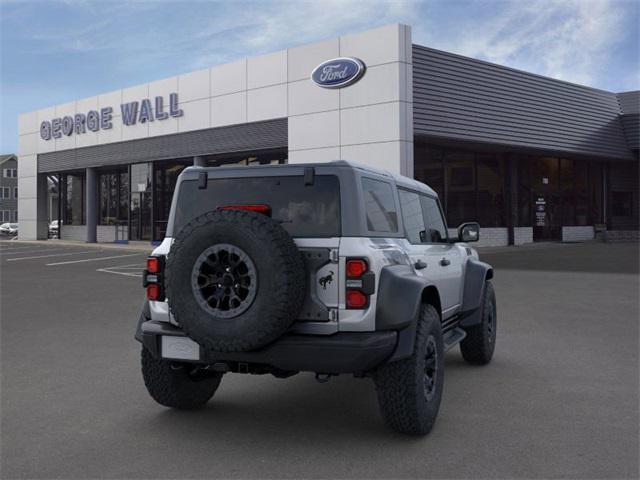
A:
(199, 162)
(42, 215)
(91, 207)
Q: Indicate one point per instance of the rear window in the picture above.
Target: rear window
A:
(380, 208)
(303, 210)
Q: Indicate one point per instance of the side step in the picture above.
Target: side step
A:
(453, 337)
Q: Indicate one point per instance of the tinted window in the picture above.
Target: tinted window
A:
(436, 228)
(412, 217)
(303, 210)
(380, 208)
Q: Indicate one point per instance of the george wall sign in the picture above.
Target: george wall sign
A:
(94, 120)
(338, 72)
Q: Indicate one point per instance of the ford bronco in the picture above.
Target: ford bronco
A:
(332, 268)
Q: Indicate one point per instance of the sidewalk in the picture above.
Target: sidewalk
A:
(131, 246)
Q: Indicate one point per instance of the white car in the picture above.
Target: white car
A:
(329, 268)
(9, 229)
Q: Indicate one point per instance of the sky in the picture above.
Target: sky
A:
(55, 51)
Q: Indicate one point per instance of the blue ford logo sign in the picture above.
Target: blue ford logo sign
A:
(338, 73)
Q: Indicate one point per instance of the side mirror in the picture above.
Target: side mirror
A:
(469, 232)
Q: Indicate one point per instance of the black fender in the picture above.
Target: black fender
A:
(476, 275)
(145, 315)
(400, 295)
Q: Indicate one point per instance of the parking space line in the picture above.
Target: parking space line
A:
(47, 256)
(20, 249)
(132, 266)
(22, 252)
(92, 259)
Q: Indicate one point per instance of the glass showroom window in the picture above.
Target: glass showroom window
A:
(491, 198)
(73, 191)
(113, 198)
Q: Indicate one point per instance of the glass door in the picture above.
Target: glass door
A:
(546, 201)
(140, 215)
(140, 220)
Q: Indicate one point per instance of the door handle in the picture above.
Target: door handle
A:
(419, 265)
(444, 262)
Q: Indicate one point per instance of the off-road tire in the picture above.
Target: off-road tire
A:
(478, 346)
(281, 280)
(400, 384)
(171, 383)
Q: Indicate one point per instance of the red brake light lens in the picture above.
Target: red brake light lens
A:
(356, 267)
(153, 265)
(264, 209)
(356, 299)
(153, 291)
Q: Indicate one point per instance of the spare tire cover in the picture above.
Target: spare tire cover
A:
(235, 280)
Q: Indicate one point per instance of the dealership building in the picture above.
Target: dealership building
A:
(530, 158)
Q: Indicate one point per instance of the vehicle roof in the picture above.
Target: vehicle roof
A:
(400, 180)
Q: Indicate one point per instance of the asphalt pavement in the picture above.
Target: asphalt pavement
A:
(560, 398)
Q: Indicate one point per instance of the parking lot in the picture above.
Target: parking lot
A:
(560, 398)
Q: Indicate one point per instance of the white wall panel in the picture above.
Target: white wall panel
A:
(371, 123)
(131, 94)
(111, 99)
(194, 85)
(28, 123)
(267, 70)
(131, 132)
(162, 88)
(163, 127)
(28, 144)
(229, 78)
(266, 103)
(316, 155)
(196, 115)
(380, 84)
(27, 166)
(303, 59)
(314, 130)
(306, 97)
(374, 47)
(386, 155)
(229, 109)
(113, 134)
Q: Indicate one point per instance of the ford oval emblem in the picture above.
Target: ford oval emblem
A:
(338, 72)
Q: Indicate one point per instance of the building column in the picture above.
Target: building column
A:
(512, 200)
(42, 214)
(199, 162)
(91, 197)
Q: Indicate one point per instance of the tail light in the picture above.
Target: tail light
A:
(152, 278)
(259, 208)
(360, 283)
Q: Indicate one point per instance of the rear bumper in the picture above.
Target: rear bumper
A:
(342, 352)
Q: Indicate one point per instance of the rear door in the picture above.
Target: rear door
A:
(447, 256)
(423, 253)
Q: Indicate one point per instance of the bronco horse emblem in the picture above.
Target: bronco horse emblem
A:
(326, 280)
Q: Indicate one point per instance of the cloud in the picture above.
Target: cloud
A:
(569, 40)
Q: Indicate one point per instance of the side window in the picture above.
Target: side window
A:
(412, 216)
(380, 208)
(436, 230)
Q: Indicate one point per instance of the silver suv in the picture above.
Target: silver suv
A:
(328, 268)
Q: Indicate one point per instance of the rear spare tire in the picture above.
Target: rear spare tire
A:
(235, 280)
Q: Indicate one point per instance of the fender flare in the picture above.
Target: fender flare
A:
(476, 275)
(400, 295)
(145, 315)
